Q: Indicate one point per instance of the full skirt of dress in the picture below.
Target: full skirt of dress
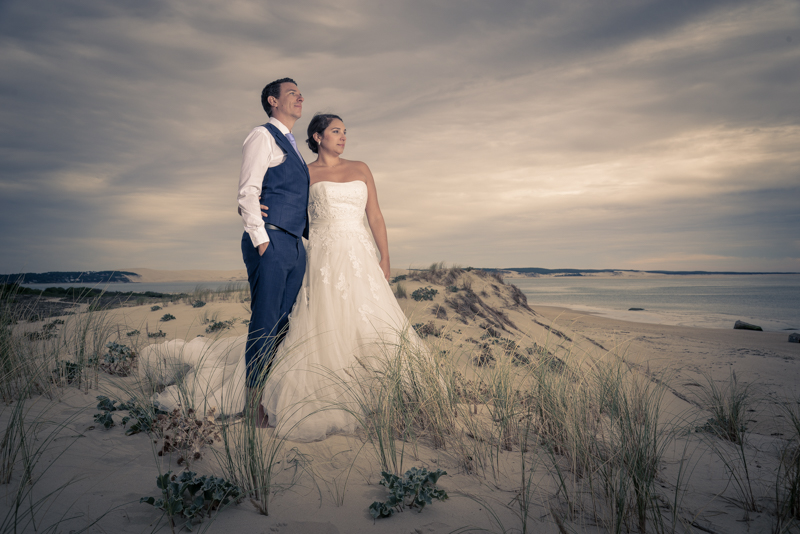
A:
(345, 319)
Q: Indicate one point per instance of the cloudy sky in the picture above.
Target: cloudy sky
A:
(632, 134)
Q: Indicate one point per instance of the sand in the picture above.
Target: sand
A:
(326, 487)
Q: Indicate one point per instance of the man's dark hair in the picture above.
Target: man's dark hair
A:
(273, 89)
(318, 125)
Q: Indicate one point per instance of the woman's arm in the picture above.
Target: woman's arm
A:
(376, 223)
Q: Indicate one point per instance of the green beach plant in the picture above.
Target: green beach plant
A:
(415, 489)
(191, 497)
(118, 360)
(219, 326)
(424, 293)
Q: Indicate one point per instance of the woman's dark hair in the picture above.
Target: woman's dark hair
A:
(318, 125)
(273, 89)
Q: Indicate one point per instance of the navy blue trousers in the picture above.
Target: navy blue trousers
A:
(275, 279)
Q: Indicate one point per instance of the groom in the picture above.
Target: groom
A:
(274, 171)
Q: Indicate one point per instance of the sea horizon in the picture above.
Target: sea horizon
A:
(123, 275)
(707, 301)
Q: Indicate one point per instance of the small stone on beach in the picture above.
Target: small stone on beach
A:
(741, 325)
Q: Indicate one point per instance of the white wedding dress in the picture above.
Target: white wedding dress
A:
(345, 316)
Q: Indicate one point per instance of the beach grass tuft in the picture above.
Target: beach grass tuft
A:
(729, 406)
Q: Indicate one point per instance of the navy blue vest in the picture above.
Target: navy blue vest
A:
(285, 189)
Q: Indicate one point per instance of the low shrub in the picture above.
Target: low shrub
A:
(414, 490)
(217, 326)
(119, 360)
(485, 358)
(66, 372)
(428, 329)
(187, 496)
(424, 293)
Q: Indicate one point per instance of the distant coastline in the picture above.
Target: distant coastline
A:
(526, 272)
(67, 277)
(143, 275)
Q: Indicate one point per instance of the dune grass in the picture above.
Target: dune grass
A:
(729, 405)
(30, 378)
(577, 436)
(787, 480)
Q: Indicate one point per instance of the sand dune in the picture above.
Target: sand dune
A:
(326, 487)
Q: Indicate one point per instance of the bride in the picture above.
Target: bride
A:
(345, 314)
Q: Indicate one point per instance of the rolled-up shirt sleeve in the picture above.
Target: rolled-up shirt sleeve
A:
(256, 155)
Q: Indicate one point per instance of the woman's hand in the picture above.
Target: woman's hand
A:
(387, 270)
(264, 210)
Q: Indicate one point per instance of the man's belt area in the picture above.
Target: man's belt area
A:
(278, 228)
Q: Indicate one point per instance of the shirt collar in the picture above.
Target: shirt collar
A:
(279, 125)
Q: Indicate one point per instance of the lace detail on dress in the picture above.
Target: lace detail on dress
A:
(325, 271)
(355, 262)
(365, 309)
(367, 242)
(318, 238)
(343, 286)
(336, 213)
(345, 201)
(373, 286)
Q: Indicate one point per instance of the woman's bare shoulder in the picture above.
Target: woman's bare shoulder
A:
(359, 166)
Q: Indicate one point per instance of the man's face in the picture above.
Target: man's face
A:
(289, 103)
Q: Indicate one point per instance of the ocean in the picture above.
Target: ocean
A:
(709, 301)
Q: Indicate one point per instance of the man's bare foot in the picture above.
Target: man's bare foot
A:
(262, 419)
(256, 409)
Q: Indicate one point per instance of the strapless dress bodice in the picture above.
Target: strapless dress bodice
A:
(330, 202)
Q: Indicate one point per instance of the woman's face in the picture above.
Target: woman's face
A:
(334, 137)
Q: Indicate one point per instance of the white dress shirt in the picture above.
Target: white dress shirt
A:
(260, 152)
